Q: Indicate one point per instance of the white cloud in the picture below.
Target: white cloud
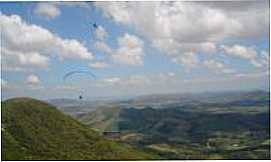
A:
(212, 64)
(48, 9)
(255, 63)
(218, 67)
(18, 60)
(33, 80)
(7, 86)
(101, 33)
(188, 59)
(240, 51)
(75, 4)
(34, 59)
(208, 47)
(264, 58)
(249, 53)
(32, 45)
(98, 64)
(130, 50)
(102, 46)
(52, 9)
(71, 48)
(4, 83)
(111, 81)
(190, 21)
(118, 11)
(178, 28)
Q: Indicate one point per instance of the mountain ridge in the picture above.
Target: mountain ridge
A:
(35, 130)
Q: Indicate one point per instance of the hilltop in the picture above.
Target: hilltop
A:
(35, 130)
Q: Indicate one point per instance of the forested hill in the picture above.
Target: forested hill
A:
(35, 130)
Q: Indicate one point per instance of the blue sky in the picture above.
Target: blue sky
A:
(138, 48)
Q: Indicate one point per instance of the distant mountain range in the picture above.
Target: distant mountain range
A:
(192, 98)
(77, 107)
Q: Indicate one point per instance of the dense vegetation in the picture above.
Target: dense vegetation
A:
(233, 129)
(104, 119)
(34, 130)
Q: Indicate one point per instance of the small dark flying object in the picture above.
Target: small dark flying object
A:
(95, 25)
(80, 97)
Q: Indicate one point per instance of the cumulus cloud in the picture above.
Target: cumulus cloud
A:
(264, 58)
(179, 28)
(240, 51)
(189, 21)
(98, 64)
(33, 80)
(118, 11)
(52, 9)
(15, 60)
(130, 50)
(102, 46)
(31, 45)
(34, 59)
(249, 53)
(188, 59)
(218, 67)
(49, 10)
(208, 47)
(75, 4)
(101, 33)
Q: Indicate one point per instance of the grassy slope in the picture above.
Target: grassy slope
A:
(104, 119)
(36, 130)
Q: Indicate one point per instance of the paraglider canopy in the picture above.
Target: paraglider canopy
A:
(69, 74)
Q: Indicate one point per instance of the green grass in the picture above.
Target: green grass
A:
(103, 119)
(35, 130)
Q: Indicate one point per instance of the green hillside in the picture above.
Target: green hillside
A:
(104, 119)
(34, 130)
